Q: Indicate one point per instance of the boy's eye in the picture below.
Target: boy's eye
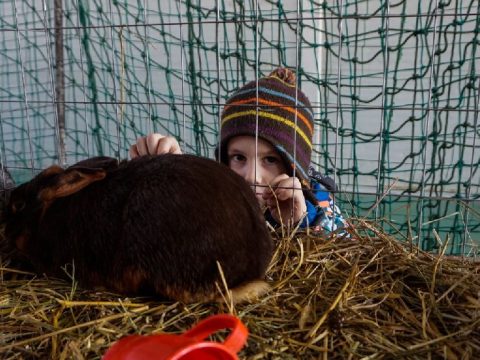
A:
(237, 157)
(271, 159)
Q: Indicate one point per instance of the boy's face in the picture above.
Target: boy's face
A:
(256, 167)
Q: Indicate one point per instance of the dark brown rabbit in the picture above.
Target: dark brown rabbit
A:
(152, 225)
(6, 186)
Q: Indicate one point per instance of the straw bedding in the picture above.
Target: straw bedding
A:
(364, 297)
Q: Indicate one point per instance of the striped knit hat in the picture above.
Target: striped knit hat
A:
(278, 98)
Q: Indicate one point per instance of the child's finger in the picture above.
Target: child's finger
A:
(168, 145)
(153, 141)
(141, 147)
(284, 194)
(133, 152)
(278, 180)
(288, 188)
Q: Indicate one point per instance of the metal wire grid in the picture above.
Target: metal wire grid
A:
(135, 106)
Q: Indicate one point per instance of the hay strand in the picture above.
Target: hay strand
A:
(364, 297)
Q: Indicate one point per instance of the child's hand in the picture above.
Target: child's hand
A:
(286, 202)
(155, 144)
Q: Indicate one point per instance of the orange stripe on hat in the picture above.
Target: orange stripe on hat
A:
(272, 103)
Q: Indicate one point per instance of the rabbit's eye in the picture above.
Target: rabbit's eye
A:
(17, 207)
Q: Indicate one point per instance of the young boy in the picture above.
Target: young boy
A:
(271, 154)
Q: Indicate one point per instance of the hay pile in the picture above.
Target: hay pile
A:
(364, 297)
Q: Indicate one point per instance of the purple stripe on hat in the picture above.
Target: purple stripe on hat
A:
(249, 129)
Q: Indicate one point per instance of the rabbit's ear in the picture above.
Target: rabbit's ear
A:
(51, 171)
(98, 162)
(71, 181)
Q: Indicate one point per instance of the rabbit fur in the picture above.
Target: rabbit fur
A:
(154, 225)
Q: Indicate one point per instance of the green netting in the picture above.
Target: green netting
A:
(394, 86)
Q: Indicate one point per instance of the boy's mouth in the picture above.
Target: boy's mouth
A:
(258, 195)
(261, 201)
(259, 190)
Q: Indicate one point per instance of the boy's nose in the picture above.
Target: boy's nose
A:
(254, 173)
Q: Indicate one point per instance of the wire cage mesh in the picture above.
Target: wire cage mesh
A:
(393, 85)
